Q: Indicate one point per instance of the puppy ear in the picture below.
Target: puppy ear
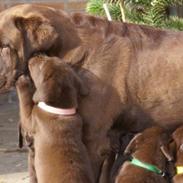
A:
(81, 86)
(165, 147)
(166, 152)
(132, 145)
(38, 35)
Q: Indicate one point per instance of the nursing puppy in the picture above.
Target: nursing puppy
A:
(148, 151)
(49, 115)
(177, 150)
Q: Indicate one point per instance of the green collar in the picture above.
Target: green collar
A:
(147, 166)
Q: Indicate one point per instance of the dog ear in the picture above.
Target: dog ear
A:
(167, 148)
(132, 145)
(167, 153)
(38, 35)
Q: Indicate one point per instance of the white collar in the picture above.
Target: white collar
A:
(54, 110)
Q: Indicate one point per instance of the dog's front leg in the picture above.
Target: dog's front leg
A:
(25, 92)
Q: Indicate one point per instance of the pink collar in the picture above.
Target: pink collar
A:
(54, 110)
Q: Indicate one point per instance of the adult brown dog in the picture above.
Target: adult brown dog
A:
(60, 155)
(133, 72)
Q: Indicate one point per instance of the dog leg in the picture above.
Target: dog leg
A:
(25, 93)
(31, 165)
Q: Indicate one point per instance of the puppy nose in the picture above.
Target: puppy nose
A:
(31, 62)
(36, 62)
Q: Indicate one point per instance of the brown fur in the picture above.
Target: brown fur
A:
(111, 165)
(60, 155)
(145, 147)
(134, 72)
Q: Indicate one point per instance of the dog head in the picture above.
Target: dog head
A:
(150, 136)
(28, 29)
(56, 82)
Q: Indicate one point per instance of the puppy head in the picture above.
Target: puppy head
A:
(56, 83)
(142, 138)
(149, 136)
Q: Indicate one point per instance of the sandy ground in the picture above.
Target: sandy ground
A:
(13, 164)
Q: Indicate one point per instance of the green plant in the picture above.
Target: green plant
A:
(174, 23)
(150, 12)
(95, 7)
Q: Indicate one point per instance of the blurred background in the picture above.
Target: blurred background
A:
(158, 13)
(68, 5)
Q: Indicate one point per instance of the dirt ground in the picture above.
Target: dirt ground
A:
(13, 164)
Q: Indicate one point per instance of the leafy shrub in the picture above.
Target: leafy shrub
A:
(150, 12)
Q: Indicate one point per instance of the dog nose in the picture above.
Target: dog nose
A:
(31, 63)
(36, 62)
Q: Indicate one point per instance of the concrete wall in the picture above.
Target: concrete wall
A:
(68, 5)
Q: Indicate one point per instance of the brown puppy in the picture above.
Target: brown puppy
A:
(177, 150)
(60, 155)
(146, 147)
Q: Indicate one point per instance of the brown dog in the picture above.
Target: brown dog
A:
(60, 155)
(146, 147)
(177, 149)
(133, 71)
